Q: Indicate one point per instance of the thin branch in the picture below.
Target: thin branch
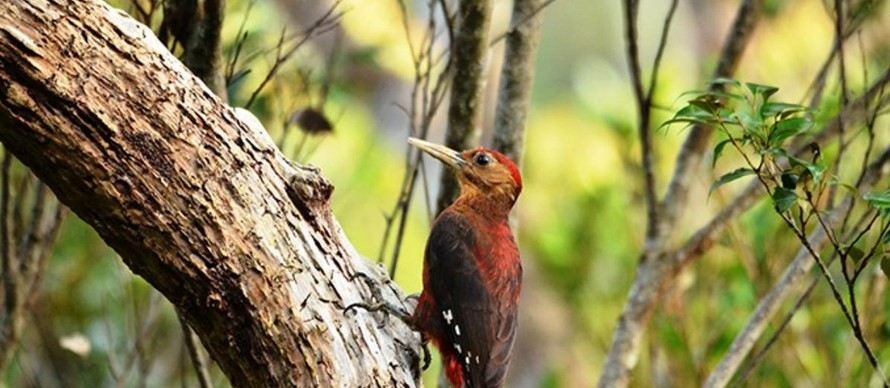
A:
(631, 9)
(758, 357)
(8, 265)
(644, 109)
(844, 100)
(857, 332)
(426, 98)
(323, 24)
(240, 39)
(662, 44)
(199, 361)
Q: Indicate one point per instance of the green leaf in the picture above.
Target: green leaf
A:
(731, 176)
(789, 180)
(684, 120)
(694, 111)
(816, 170)
(726, 95)
(784, 199)
(886, 238)
(748, 119)
(718, 150)
(691, 114)
(771, 109)
(784, 129)
(706, 103)
(696, 93)
(846, 186)
(855, 253)
(885, 265)
(764, 90)
(880, 201)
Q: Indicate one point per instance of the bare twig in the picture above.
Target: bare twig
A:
(844, 100)
(865, 221)
(326, 22)
(199, 361)
(240, 39)
(25, 247)
(431, 80)
(8, 265)
(644, 110)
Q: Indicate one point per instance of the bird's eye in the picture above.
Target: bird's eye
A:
(482, 159)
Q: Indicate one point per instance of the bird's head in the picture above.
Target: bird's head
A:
(480, 171)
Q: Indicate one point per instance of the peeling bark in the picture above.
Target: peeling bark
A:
(201, 205)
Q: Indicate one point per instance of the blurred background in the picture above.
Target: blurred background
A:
(581, 218)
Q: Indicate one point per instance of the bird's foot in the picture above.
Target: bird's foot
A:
(381, 305)
(391, 309)
(427, 358)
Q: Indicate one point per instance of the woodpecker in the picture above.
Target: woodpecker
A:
(472, 273)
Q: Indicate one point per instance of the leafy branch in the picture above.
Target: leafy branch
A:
(760, 131)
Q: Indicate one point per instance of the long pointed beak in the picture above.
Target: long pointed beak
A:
(447, 155)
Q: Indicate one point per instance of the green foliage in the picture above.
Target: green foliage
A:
(880, 201)
(784, 199)
(760, 130)
(771, 137)
(731, 176)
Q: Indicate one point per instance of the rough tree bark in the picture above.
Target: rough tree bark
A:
(201, 205)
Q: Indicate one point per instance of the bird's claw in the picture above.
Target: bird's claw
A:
(427, 358)
(390, 309)
(377, 293)
(387, 308)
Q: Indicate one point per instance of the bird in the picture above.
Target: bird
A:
(472, 272)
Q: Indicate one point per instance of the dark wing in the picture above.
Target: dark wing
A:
(468, 312)
(502, 344)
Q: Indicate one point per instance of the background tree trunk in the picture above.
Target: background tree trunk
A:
(469, 51)
(202, 206)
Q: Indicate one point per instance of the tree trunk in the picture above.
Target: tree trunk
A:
(201, 205)
(469, 52)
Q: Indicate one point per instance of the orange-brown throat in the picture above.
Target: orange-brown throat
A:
(494, 204)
